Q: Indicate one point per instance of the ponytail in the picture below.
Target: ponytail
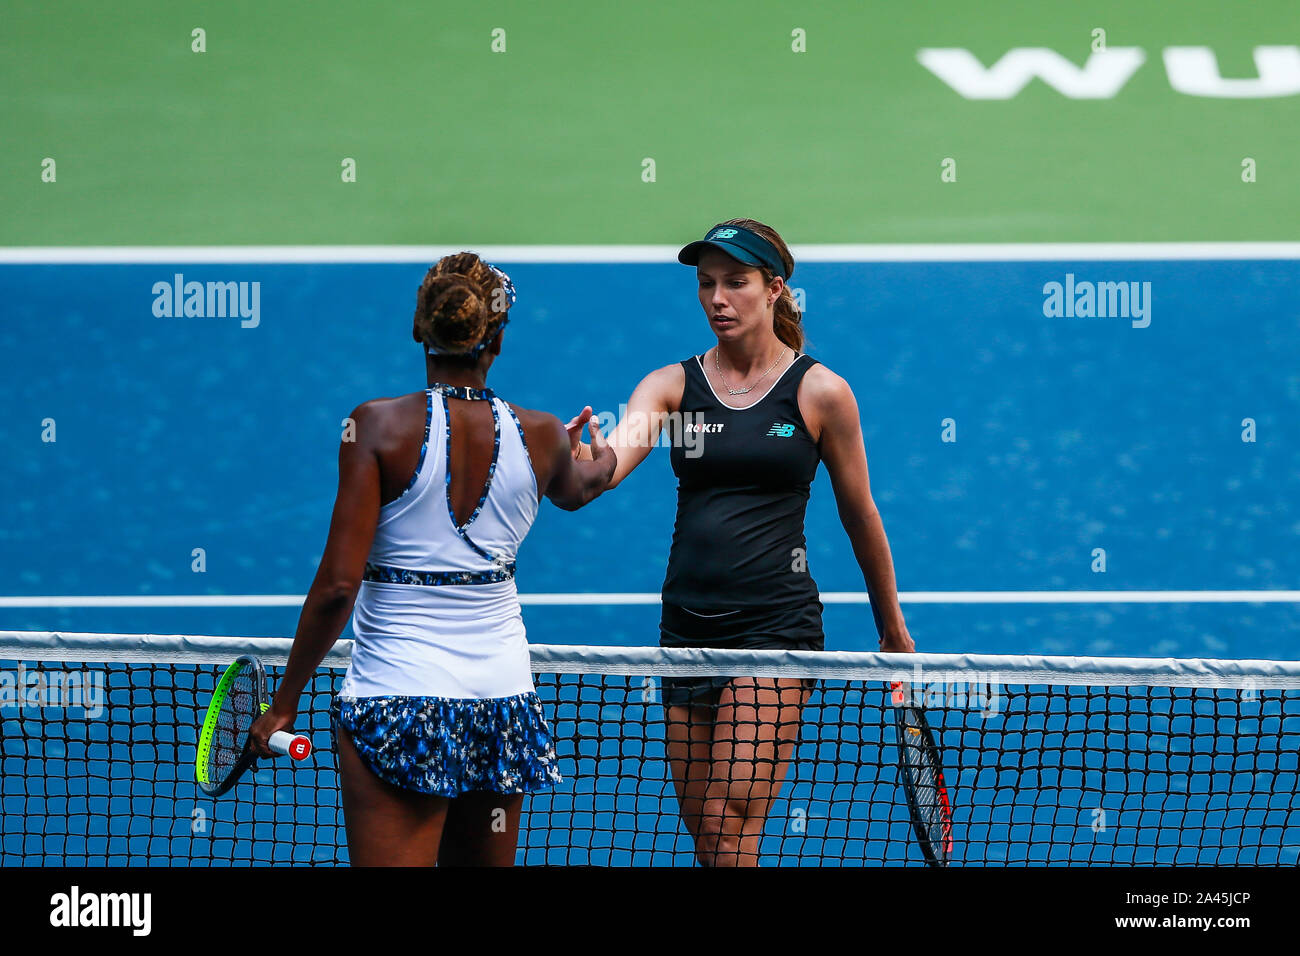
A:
(787, 321)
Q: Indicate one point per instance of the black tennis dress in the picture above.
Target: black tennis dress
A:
(738, 569)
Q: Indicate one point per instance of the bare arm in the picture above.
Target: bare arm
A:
(845, 455)
(338, 578)
(647, 410)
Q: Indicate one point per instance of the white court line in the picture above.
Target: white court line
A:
(652, 597)
(813, 252)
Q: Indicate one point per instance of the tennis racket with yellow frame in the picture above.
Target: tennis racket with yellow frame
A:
(225, 751)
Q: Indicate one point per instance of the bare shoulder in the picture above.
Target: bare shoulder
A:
(667, 374)
(381, 419)
(825, 399)
(825, 390)
(379, 407)
(534, 418)
(540, 428)
(663, 387)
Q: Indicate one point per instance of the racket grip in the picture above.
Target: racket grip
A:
(296, 746)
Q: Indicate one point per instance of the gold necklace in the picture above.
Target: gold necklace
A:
(742, 391)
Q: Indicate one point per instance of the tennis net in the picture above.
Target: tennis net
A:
(1048, 760)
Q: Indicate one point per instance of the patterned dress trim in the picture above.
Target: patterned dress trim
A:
(450, 746)
(496, 451)
(523, 440)
(387, 574)
(424, 446)
(463, 391)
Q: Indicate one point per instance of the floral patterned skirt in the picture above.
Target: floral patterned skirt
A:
(448, 746)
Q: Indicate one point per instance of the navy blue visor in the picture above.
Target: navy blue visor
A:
(739, 243)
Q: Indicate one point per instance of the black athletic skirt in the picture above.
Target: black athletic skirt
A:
(792, 628)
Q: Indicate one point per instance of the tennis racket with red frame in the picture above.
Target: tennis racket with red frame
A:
(922, 777)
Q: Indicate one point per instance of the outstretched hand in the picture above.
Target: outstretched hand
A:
(600, 450)
(574, 428)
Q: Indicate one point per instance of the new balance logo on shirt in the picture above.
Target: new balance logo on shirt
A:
(780, 430)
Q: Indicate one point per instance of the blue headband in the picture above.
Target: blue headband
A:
(508, 288)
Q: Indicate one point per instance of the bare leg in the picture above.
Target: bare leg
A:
(689, 735)
(386, 825)
(482, 830)
(755, 730)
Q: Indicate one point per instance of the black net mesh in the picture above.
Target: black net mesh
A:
(1037, 773)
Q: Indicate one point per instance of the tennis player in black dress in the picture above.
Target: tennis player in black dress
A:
(752, 417)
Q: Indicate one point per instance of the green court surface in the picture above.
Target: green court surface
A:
(546, 142)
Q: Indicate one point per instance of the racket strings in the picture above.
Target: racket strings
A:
(924, 776)
(238, 711)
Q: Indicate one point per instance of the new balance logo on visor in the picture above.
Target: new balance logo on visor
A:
(723, 234)
(780, 430)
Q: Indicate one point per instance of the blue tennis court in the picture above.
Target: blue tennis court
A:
(1072, 435)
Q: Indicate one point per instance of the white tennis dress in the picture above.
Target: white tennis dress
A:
(438, 612)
